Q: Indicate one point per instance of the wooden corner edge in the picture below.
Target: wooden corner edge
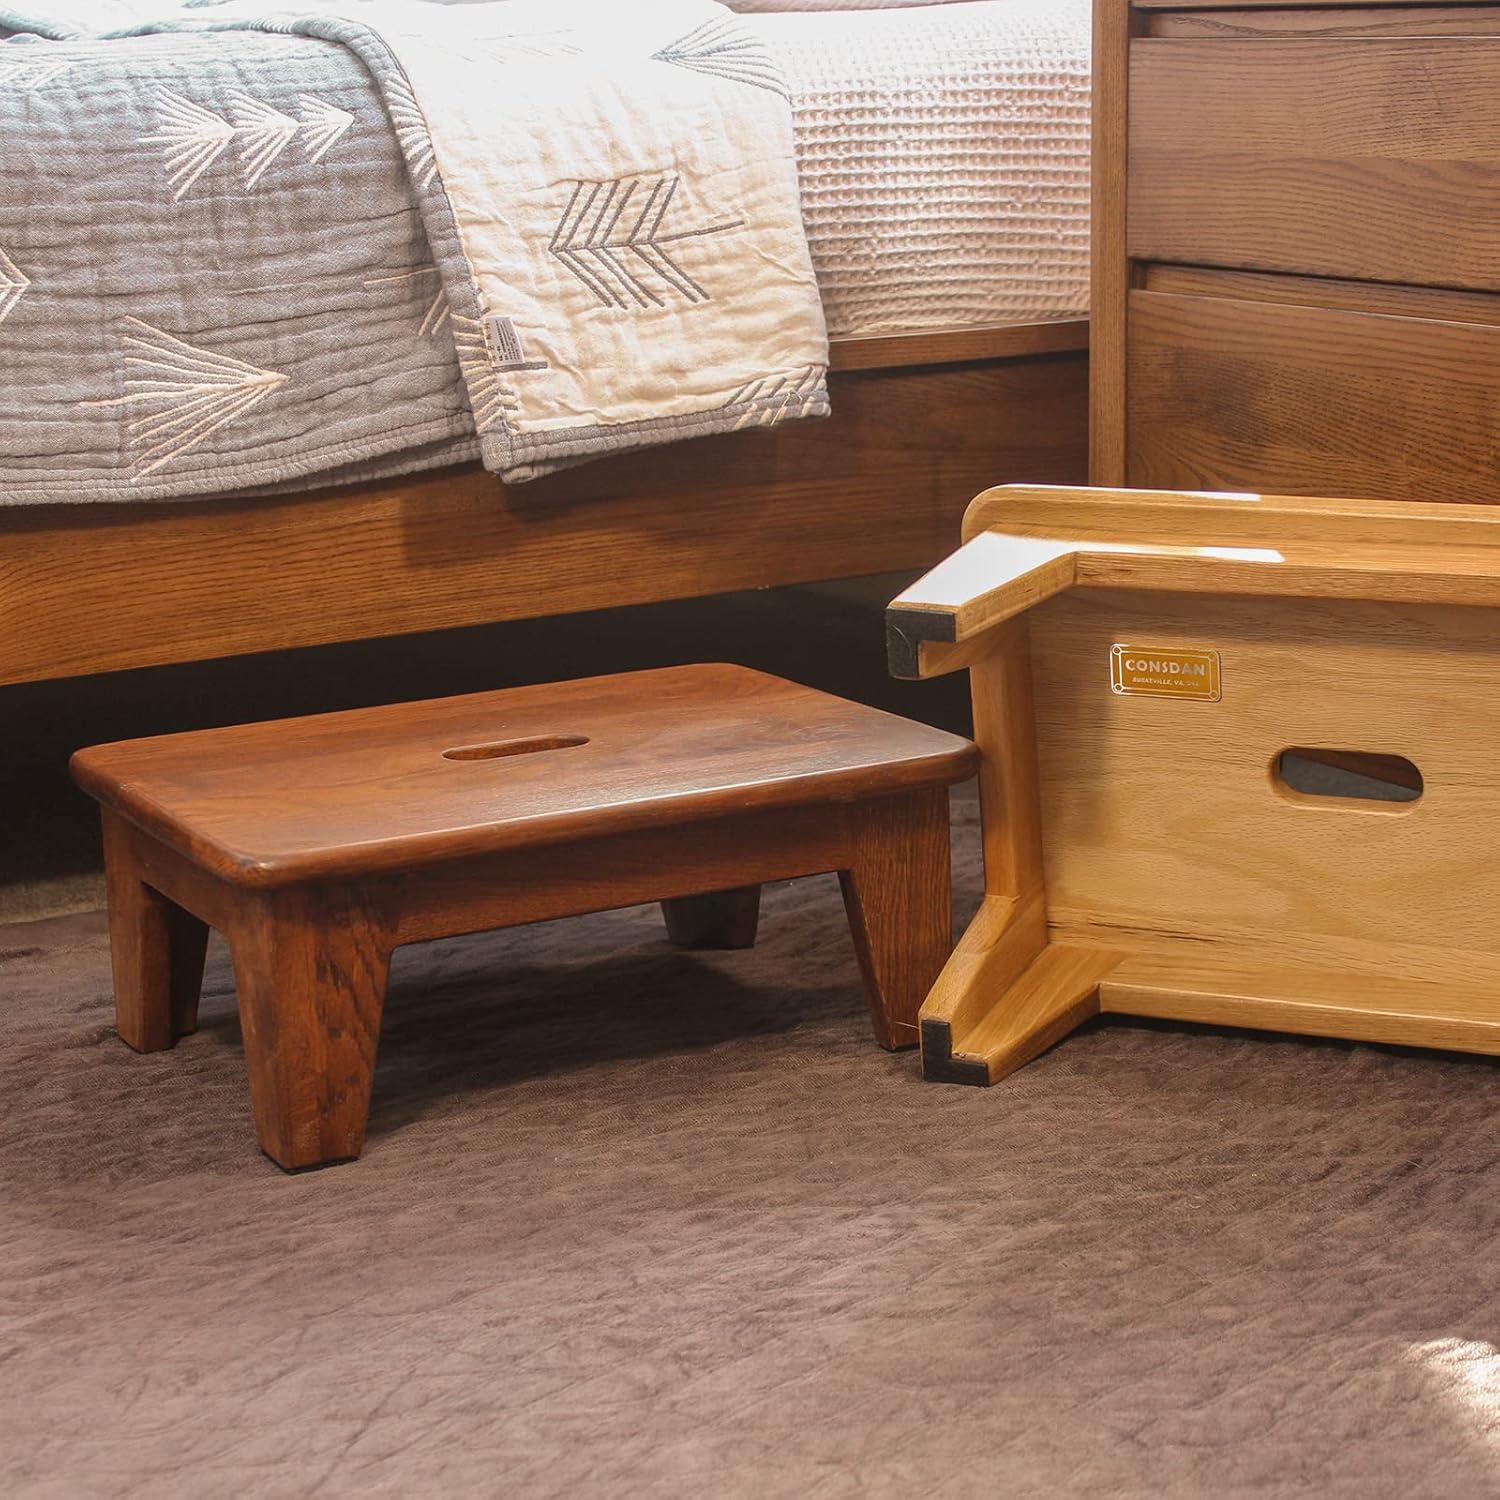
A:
(906, 629)
(939, 1065)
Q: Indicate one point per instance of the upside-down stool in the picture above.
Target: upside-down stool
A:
(318, 845)
(1147, 670)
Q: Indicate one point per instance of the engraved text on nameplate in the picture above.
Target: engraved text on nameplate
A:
(1164, 672)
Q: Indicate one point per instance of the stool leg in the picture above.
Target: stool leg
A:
(311, 970)
(725, 919)
(898, 893)
(156, 950)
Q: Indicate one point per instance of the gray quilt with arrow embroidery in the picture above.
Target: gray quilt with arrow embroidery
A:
(245, 249)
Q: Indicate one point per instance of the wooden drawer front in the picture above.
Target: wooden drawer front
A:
(1289, 399)
(1365, 158)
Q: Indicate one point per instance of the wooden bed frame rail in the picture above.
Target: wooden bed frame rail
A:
(921, 423)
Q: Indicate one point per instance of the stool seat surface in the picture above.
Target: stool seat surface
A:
(377, 789)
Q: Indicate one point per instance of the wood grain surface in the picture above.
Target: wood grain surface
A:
(310, 972)
(1138, 517)
(973, 600)
(719, 919)
(1165, 817)
(1287, 397)
(1317, 159)
(1336, 7)
(319, 845)
(371, 790)
(898, 894)
(1442, 304)
(1054, 995)
(1175, 872)
(311, 960)
(1372, 159)
(156, 948)
(1355, 20)
(947, 346)
(1111, 273)
(1289, 996)
(877, 487)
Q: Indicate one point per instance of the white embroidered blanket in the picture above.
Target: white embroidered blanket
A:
(610, 192)
(623, 185)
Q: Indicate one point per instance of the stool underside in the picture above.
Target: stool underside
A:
(1179, 876)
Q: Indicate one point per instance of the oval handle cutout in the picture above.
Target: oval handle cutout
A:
(1346, 776)
(516, 747)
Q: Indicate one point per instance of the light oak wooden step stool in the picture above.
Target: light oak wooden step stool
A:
(1146, 667)
(318, 845)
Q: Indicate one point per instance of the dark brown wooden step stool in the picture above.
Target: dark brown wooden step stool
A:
(318, 845)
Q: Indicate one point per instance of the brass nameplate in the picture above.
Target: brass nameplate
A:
(1164, 672)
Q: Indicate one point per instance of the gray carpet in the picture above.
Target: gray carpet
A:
(637, 1222)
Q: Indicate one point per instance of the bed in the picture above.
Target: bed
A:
(943, 160)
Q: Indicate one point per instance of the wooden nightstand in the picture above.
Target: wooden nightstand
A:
(1297, 248)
